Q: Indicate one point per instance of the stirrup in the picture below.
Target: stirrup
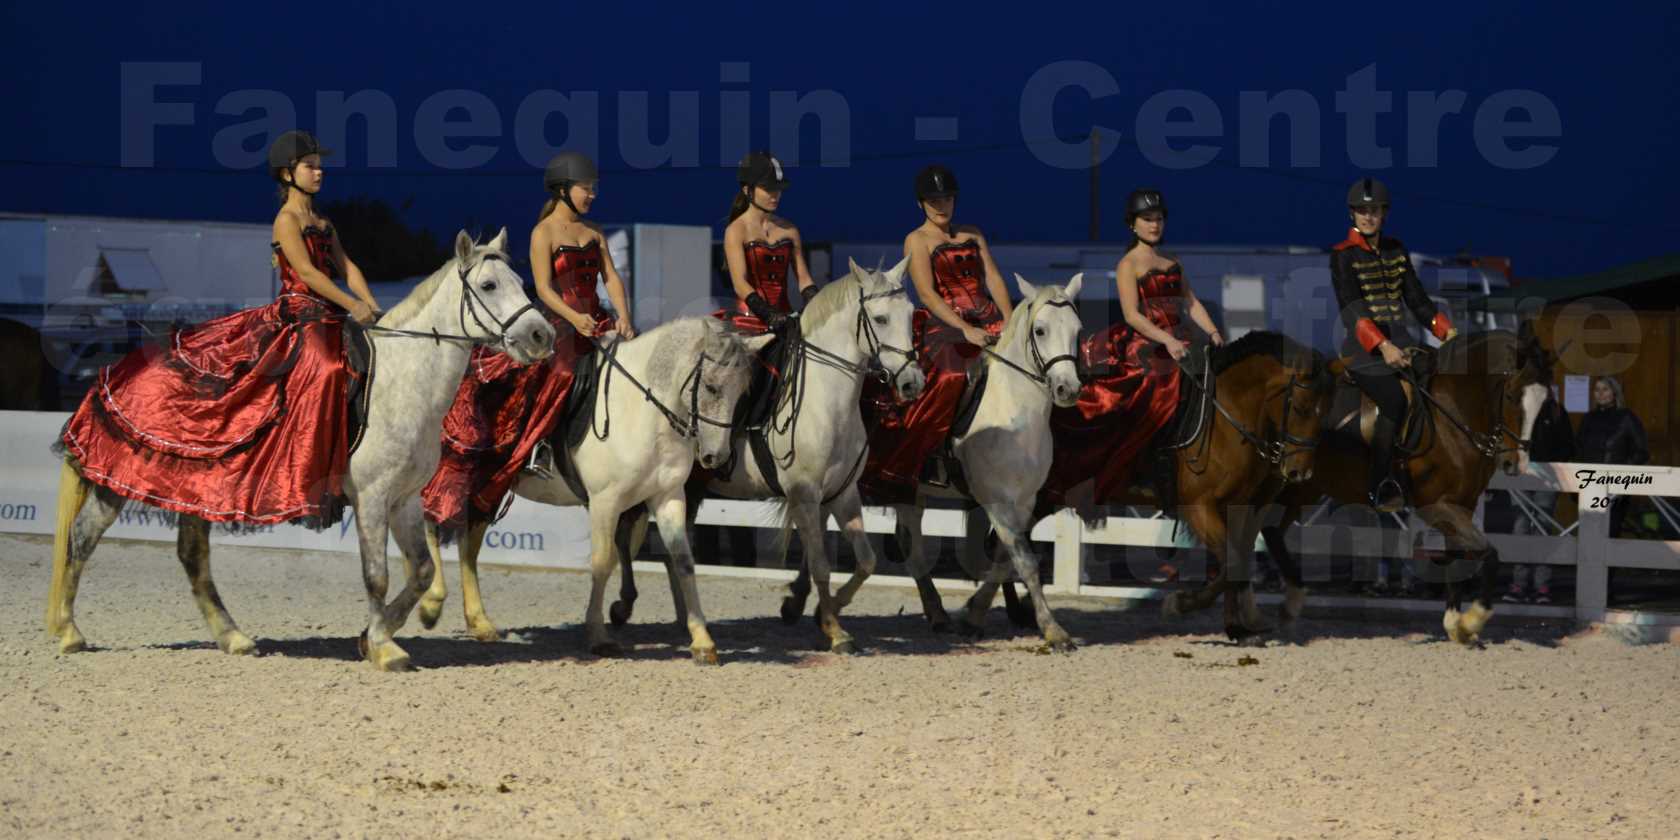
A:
(1391, 490)
(541, 462)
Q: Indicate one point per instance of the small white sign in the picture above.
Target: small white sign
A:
(1577, 394)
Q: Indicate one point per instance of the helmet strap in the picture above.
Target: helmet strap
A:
(752, 198)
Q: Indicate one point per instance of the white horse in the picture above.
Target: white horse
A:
(475, 297)
(1005, 453)
(665, 399)
(816, 437)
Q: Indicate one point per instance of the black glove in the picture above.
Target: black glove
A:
(809, 292)
(772, 318)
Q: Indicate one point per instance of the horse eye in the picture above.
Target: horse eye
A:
(881, 319)
(1038, 331)
(488, 286)
(712, 390)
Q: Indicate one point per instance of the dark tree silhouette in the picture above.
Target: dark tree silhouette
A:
(381, 244)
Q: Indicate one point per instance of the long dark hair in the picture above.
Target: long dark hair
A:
(743, 200)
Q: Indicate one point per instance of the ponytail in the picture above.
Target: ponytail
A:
(740, 205)
(548, 208)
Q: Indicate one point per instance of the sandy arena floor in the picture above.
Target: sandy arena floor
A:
(1148, 730)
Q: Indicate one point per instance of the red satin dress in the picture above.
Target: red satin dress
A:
(902, 437)
(503, 409)
(1132, 393)
(767, 273)
(240, 419)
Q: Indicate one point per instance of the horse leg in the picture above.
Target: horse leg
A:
(799, 592)
(192, 547)
(672, 513)
(630, 538)
(78, 529)
(809, 518)
(1289, 569)
(1020, 611)
(431, 605)
(907, 536)
(848, 511)
(1456, 524)
(603, 520)
(1207, 524)
(408, 526)
(1012, 528)
(973, 622)
(467, 546)
(377, 646)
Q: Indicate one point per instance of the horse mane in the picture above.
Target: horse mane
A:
(1280, 348)
(664, 361)
(410, 307)
(1019, 317)
(829, 300)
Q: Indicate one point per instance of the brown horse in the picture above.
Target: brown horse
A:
(1256, 436)
(28, 380)
(1475, 415)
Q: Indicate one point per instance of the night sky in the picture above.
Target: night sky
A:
(1606, 197)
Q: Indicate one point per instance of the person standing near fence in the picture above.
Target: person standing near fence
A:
(1611, 434)
(1551, 441)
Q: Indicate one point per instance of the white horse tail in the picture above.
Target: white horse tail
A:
(72, 494)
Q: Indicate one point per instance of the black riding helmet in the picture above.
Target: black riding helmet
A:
(935, 181)
(564, 170)
(289, 148)
(1367, 192)
(1142, 201)
(761, 169)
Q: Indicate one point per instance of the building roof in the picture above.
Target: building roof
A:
(1553, 289)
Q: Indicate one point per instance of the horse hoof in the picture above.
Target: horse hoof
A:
(430, 611)
(1062, 643)
(236, 643)
(362, 646)
(606, 650)
(1171, 608)
(484, 632)
(619, 613)
(844, 647)
(390, 658)
(72, 642)
(705, 656)
(791, 610)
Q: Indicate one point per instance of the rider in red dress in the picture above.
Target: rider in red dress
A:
(242, 418)
(965, 306)
(761, 247)
(1132, 385)
(504, 413)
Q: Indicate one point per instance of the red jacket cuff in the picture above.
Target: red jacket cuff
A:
(1369, 334)
(1441, 325)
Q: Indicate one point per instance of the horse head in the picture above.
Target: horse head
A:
(1049, 328)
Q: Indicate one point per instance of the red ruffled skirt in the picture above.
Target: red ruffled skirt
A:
(501, 411)
(240, 419)
(902, 436)
(1131, 394)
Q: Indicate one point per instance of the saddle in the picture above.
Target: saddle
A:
(358, 355)
(1352, 417)
(577, 415)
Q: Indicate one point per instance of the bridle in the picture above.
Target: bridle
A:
(865, 335)
(685, 427)
(1042, 376)
(471, 303)
(1286, 444)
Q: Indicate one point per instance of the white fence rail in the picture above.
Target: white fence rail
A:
(533, 534)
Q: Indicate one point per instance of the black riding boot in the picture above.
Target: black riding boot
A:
(1387, 492)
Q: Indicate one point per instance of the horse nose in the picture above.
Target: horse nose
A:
(542, 336)
(708, 460)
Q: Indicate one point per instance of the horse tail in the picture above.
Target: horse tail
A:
(72, 494)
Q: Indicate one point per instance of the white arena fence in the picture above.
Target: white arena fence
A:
(538, 535)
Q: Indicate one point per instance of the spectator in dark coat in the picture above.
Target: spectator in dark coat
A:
(1551, 441)
(1611, 434)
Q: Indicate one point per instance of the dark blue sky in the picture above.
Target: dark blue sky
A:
(1607, 196)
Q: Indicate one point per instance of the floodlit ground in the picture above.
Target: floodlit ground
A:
(1149, 729)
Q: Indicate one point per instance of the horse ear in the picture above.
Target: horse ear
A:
(897, 272)
(463, 246)
(758, 342)
(499, 244)
(852, 266)
(1027, 290)
(1072, 290)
